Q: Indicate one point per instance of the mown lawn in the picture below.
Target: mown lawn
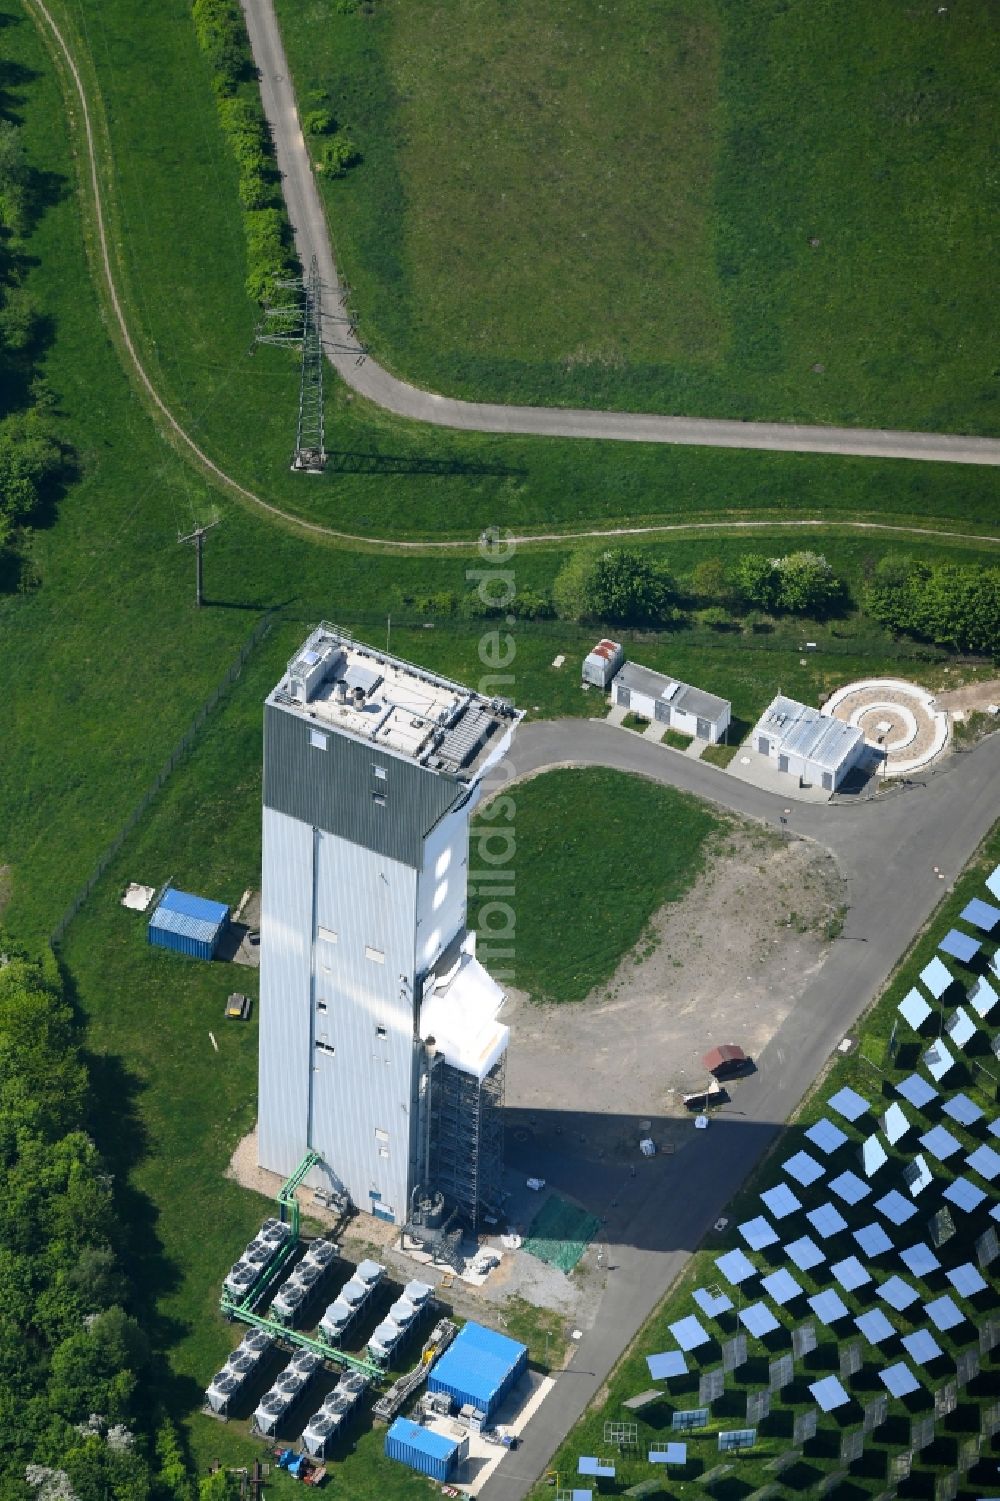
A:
(178, 241)
(669, 206)
(873, 1072)
(585, 883)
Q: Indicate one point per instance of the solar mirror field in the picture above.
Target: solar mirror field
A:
(892, 1382)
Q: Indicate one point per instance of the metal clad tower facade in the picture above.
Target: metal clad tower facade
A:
(372, 769)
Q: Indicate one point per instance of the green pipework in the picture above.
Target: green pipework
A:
(269, 1273)
(304, 1341)
(286, 1194)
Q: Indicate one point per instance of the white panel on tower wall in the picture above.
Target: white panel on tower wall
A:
(285, 992)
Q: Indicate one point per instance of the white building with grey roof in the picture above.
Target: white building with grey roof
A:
(669, 702)
(381, 1044)
(808, 744)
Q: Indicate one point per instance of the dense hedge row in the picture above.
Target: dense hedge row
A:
(222, 37)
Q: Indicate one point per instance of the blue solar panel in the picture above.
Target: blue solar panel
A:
(964, 1195)
(966, 1280)
(944, 1313)
(899, 1379)
(917, 1175)
(874, 1326)
(828, 1306)
(940, 1143)
(914, 1009)
(960, 946)
(981, 915)
(780, 1201)
(826, 1136)
(982, 997)
(758, 1233)
(805, 1253)
(873, 1155)
(668, 1363)
(895, 1208)
(829, 1393)
(938, 1059)
(758, 1319)
(917, 1090)
(921, 1346)
(985, 1162)
(960, 1027)
(962, 1110)
(993, 883)
(781, 1286)
(826, 1220)
(936, 977)
(673, 1454)
(895, 1123)
(850, 1188)
(689, 1333)
(735, 1266)
(872, 1239)
(848, 1103)
(850, 1273)
(712, 1303)
(919, 1260)
(803, 1168)
(897, 1293)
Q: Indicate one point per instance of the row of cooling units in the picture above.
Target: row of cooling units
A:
(300, 1287)
(292, 1384)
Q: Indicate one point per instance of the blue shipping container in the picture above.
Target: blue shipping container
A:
(423, 1449)
(479, 1368)
(187, 924)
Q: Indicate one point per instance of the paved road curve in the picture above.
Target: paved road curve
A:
(369, 379)
(885, 850)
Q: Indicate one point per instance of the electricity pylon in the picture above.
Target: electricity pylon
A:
(300, 321)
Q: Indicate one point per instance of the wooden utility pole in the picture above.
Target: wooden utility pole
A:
(198, 538)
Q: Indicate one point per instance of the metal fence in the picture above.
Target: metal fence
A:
(177, 755)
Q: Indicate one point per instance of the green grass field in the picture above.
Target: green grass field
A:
(672, 206)
(177, 237)
(873, 1072)
(585, 886)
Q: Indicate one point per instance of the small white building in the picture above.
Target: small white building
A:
(812, 746)
(669, 702)
(601, 664)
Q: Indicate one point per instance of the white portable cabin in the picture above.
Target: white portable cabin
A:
(601, 664)
(675, 705)
(817, 748)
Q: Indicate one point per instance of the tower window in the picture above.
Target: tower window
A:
(378, 798)
(379, 773)
(380, 1032)
(321, 1006)
(375, 955)
(326, 935)
(325, 1047)
(317, 739)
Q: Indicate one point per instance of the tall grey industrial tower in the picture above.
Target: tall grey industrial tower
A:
(380, 1044)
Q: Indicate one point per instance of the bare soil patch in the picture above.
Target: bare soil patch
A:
(725, 963)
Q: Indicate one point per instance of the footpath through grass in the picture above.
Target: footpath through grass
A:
(586, 879)
(888, 1052)
(731, 208)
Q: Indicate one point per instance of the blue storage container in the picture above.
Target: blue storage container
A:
(424, 1450)
(188, 924)
(479, 1368)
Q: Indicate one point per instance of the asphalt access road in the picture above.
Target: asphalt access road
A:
(885, 849)
(369, 379)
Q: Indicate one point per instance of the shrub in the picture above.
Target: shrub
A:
(339, 155)
(619, 585)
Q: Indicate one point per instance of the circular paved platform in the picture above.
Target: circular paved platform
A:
(896, 717)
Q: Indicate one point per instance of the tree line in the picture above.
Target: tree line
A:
(32, 458)
(222, 37)
(78, 1418)
(956, 606)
